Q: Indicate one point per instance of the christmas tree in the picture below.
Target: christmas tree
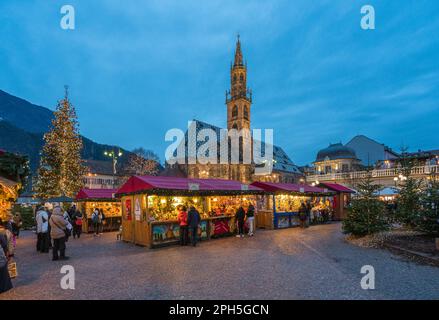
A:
(429, 213)
(409, 198)
(61, 171)
(367, 213)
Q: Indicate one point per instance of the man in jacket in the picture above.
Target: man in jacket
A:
(193, 220)
(58, 226)
(42, 219)
(251, 219)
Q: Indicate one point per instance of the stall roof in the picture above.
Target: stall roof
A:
(96, 194)
(336, 187)
(288, 187)
(160, 184)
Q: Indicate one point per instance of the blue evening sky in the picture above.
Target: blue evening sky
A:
(138, 68)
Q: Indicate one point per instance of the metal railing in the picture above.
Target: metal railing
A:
(377, 173)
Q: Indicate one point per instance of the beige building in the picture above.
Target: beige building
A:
(336, 158)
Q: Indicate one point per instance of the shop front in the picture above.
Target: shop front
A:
(149, 207)
(342, 198)
(279, 207)
(88, 200)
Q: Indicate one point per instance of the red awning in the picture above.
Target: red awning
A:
(287, 187)
(150, 184)
(336, 187)
(96, 194)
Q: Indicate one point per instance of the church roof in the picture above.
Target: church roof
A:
(281, 161)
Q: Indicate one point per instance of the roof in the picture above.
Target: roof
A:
(99, 167)
(288, 187)
(336, 151)
(96, 194)
(336, 187)
(175, 185)
(281, 160)
(386, 148)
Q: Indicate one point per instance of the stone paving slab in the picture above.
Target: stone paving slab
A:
(314, 263)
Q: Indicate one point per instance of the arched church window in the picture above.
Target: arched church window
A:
(234, 78)
(241, 77)
(235, 126)
(235, 111)
(246, 112)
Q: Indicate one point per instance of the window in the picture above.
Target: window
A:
(327, 169)
(246, 112)
(344, 167)
(235, 111)
(241, 77)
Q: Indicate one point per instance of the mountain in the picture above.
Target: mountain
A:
(23, 114)
(23, 124)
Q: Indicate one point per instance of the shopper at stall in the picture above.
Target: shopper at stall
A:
(250, 218)
(58, 233)
(42, 219)
(193, 220)
(101, 220)
(77, 224)
(16, 225)
(96, 219)
(5, 280)
(303, 215)
(182, 218)
(240, 220)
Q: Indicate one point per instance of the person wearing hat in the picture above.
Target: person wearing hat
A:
(58, 229)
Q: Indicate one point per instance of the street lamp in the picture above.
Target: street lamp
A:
(114, 156)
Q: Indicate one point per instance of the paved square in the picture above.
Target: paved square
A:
(315, 263)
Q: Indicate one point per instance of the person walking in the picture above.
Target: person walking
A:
(5, 279)
(308, 213)
(95, 219)
(182, 220)
(58, 233)
(302, 215)
(193, 220)
(16, 225)
(240, 220)
(101, 220)
(42, 219)
(77, 224)
(251, 219)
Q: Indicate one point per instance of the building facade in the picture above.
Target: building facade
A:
(238, 108)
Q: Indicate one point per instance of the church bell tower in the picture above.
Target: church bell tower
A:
(239, 98)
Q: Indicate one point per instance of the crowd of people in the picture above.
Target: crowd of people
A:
(189, 221)
(54, 227)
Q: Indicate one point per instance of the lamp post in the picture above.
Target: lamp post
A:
(114, 156)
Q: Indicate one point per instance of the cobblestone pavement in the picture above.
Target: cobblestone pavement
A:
(315, 263)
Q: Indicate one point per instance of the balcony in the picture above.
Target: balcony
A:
(418, 172)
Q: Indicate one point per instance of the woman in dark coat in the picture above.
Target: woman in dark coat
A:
(5, 279)
(240, 219)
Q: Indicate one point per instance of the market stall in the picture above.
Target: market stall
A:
(149, 206)
(342, 198)
(279, 208)
(8, 196)
(88, 200)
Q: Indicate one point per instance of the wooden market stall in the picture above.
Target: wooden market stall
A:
(342, 198)
(89, 199)
(149, 215)
(8, 196)
(279, 207)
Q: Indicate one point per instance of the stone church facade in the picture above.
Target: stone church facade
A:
(238, 102)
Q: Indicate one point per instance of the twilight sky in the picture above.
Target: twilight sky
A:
(139, 68)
